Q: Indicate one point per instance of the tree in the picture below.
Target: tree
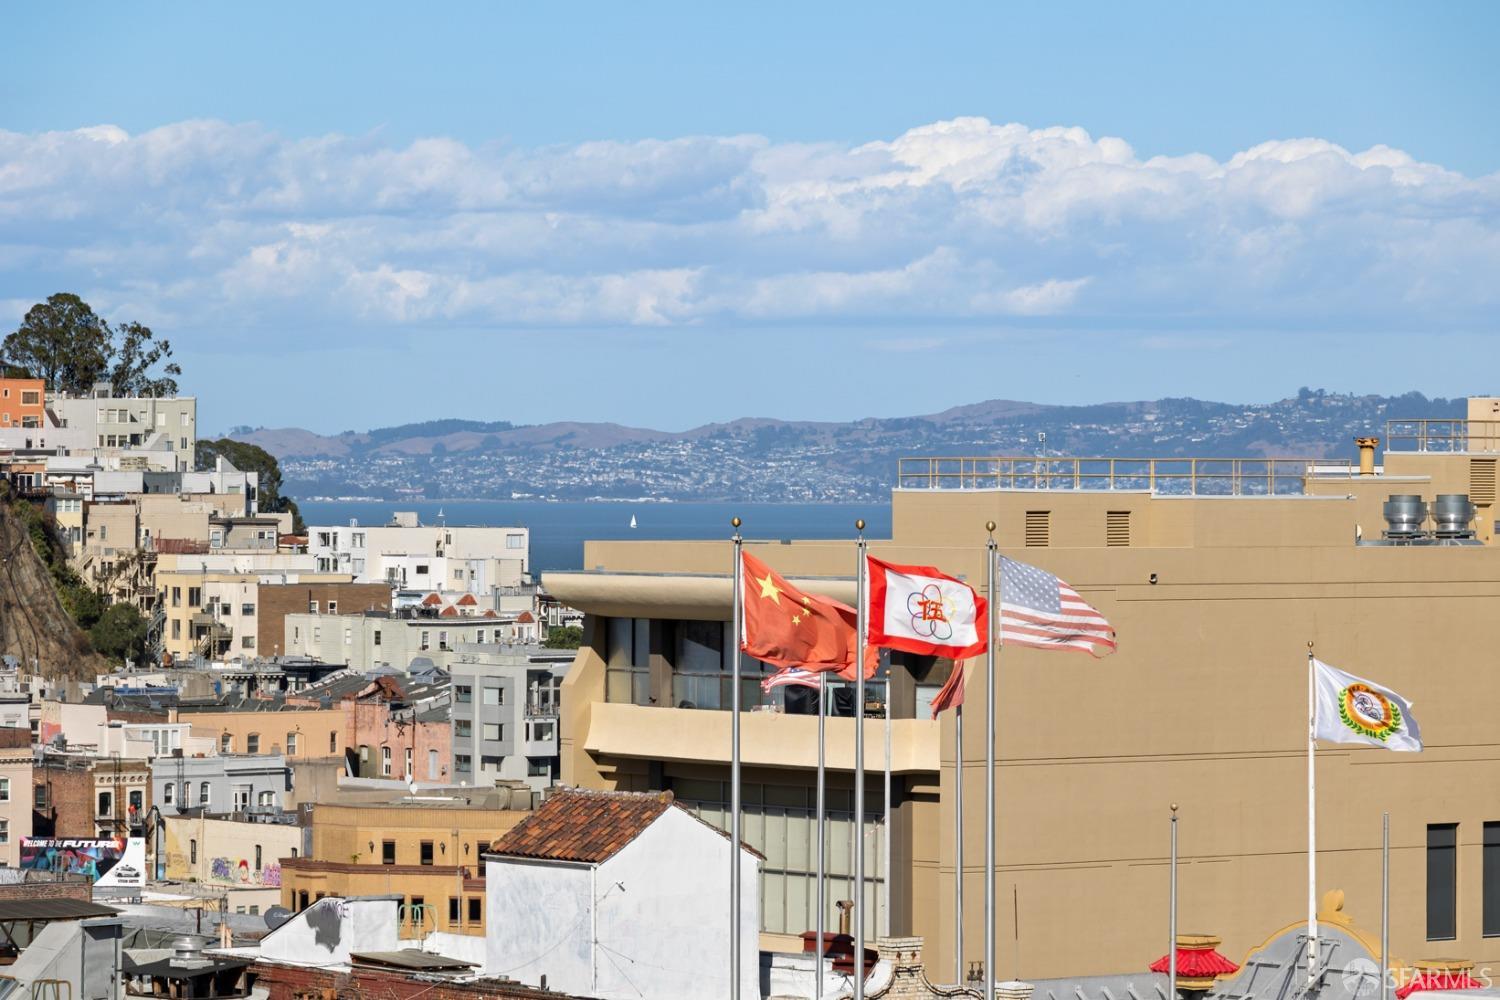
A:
(563, 637)
(252, 458)
(61, 341)
(137, 353)
(120, 633)
(66, 344)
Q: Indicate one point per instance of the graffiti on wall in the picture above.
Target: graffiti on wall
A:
(240, 872)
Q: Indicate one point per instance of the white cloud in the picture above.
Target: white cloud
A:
(205, 223)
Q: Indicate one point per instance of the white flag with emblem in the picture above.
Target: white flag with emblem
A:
(1353, 710)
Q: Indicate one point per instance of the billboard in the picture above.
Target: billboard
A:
(119, 861)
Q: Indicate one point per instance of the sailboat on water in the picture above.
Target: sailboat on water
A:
(632, 520)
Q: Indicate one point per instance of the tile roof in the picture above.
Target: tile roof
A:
(467, 600)
(431, 601)
(575, 824)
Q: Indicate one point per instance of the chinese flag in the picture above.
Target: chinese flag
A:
(787, 628)
(951, 695)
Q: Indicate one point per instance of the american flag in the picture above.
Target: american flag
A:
(789, 675)
(1037, 609)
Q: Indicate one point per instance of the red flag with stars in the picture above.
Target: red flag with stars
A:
(788, 628)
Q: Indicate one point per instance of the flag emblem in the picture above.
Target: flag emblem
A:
(931, 613)
(1369, 712)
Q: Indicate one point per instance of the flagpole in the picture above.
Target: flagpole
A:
(993, 593)
(958, 841)
(734, 768)
(1312, 822)
(1385, 905)
(859, 764)
(1172, 916)
(822, 837)
(885, 844)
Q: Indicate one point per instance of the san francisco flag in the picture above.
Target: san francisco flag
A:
(1351, 709)
(787, 628)
(919, 609)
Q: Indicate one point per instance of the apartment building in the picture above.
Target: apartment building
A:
(104, 423)
(299, 730)
(427, 849)
(236, 855)
(210, 600)
(505, 702)
(396, 641)
(410, 555)
(22, 405)
(1216, 573)
(225, 783)
(278, 600)
(16, 783)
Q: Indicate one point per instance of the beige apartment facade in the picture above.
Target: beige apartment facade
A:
(1215, 596)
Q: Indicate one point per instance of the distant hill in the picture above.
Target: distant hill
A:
(771, 459)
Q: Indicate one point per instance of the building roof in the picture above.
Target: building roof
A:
(576, 824)
(468, 600)
(525, 618)
(52, 909)
(412, 960)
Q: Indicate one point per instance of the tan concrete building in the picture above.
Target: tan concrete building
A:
(1216, 575)
(15, 802)
(426, 849)
(243, 859)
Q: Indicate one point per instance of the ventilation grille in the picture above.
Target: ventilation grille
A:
(1117, 527)
(1481, 481)
(1038, 529)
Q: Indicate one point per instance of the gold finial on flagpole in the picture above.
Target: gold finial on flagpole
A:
(859, 524)
(1174, 807)
(734, 521)
(989, 526)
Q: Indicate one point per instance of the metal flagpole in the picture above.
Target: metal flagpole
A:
(1312, 822)
(885, 842)
(734, 768)
(958, 841)
(822, 835)
(1385, 905)
(859, 765)
(989, 770)
(1172, 916)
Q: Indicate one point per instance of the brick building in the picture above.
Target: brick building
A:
(277, 600)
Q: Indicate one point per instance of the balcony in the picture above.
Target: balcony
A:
(541, 709)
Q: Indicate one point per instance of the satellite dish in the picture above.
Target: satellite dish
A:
(275, 916)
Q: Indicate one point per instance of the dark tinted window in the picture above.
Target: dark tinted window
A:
(1442, 881)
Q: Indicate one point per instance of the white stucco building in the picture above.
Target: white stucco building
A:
(105, 424)
(626, 894)
(414, 556)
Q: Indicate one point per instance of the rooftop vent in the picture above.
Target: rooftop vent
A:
(1405, 514)
(1453, 516)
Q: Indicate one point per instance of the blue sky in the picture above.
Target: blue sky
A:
(349, 215)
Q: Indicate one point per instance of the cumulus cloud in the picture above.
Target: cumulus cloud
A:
(204, 222)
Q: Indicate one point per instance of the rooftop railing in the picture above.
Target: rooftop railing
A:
(1442, 435)
(1165, 476)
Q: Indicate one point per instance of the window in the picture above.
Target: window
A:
(301, 899)
(333, 607)
(452, 909)
(203, 794)
(192, 852)
(385, 761)
(494, 731)
(312, 607)
(463, 728)
(701, 678)
(421, 569)
(195, 596)
(494, 695)
(479, 637)
(168, 792)
(333, 741)
(291, 744)
(515, 541)
(387, 852)
(252, 743)
(226, 743)
(442, 640)
(30, 397)
(464, 694)
(248, 610)
(348, 636)
(1491, 876)
(408, 763)
(266, 800)
(4, 789)
(176, 597)
(462, 763)
(4, 831)
(425, 644)
(627, 678)
(257, 857)
(476, 909)
(241, 797)
(106, 804)
(426, 852)
(1442, 881)
(538, 767)
(247, 642)
(137, 799)
(39, 797)
(376, 639)
(432, 764)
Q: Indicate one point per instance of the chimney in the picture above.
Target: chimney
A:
(844, 905)
(1367, 446)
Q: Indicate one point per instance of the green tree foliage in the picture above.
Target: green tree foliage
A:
(563, 637)
(253, 458)
(65, 343)
(120, 633)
